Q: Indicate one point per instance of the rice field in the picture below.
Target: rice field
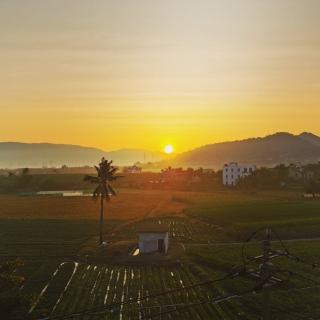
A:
(181, 229)
(95, 291)
(128, 204)
(298, 297)
(118, 292)
(55, 229)
(240, 214)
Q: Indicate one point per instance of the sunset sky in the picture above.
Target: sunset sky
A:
(146, 73)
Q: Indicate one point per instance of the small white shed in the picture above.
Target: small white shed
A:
(153, 238)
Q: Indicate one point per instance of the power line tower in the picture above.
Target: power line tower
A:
(265, 273)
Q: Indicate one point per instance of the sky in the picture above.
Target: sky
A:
(145, 73)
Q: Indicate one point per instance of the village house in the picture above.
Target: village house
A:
(179, 175)
(132, 169)
(298, 172)
(153, 238)
(232, 173)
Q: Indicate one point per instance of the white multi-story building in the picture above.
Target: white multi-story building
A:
(232, 172)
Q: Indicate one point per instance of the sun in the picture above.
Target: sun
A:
(168, 149)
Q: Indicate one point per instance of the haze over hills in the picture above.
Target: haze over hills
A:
(15, 155)
(271, 150)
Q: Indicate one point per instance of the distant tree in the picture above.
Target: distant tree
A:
(13, 304)
(25, 171)
(265, 178)
(106, 173)
(313, 187)
(282, 172)
(200, 171)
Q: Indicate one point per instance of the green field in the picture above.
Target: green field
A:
(240, 214)
(96, 287)
(181, 229)
(77, 287)
(297, 298)
(34, 183)
(210, 229)
(35, 238)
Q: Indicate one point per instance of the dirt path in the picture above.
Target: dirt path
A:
(151, 213)
(162, 209)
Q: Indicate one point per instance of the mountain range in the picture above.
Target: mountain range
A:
(281, 147)
(17, 155)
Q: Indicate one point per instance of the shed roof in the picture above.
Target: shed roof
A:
(153, 228)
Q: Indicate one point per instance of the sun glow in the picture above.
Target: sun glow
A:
(168, 149)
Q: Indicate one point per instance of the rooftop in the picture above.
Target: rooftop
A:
(152, 228)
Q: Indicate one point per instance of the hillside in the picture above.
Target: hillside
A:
(267, 151)
(278, 148)
(15, 154)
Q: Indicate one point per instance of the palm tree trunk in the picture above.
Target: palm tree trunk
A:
(101, 221)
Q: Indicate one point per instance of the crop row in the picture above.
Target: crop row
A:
(119, 292)
(180, 228)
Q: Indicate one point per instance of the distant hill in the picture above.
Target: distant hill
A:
(278, 148)
(15, 155)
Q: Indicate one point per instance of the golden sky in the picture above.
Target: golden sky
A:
(145, 73)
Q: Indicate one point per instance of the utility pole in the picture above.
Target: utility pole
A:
(266, 273)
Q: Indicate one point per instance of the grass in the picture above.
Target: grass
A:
(241, 213)
(34, 183)
(94, 286)
(45, 238)
(129, 204)
(181, 229)
(46, 231)
(297, 299)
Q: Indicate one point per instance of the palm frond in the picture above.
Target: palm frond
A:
(98, 170)
(91, 179)
(115, 178)
(112, 171)
(107, 194)
(97, 192)
(106, 172)
(112, 191)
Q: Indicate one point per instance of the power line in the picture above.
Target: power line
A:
(292, 273)
(265, 273)
(217, 301)
(131, 301)
(296, 258)
(213, 301)
(291, 256)
(251, 236)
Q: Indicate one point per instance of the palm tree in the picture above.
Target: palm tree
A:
(106, 172)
